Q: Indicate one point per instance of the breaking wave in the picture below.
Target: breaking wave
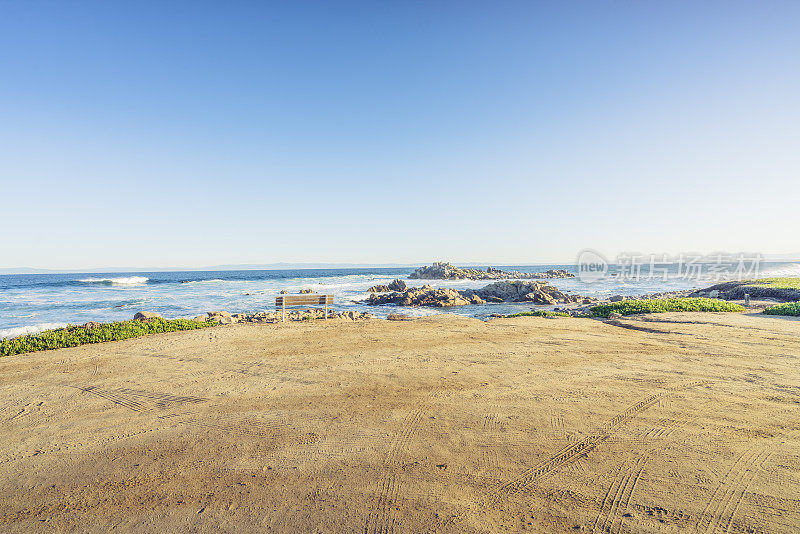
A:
(792, 269)
(124, 281)
(33, 329)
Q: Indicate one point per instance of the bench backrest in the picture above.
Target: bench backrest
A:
(308, 299)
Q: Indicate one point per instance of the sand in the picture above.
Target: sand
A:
(442, 424)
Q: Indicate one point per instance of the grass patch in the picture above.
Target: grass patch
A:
(784, 289)
(774, 283)
(73, 336)
(539, 313)
(791, 309)
(631, 307)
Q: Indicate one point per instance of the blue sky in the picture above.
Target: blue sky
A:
(187, 134)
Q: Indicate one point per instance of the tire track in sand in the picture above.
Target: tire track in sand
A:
(140, 401)
(618, 496)
(144, 401)
(381, 519)
(724, 503)
(571, 452)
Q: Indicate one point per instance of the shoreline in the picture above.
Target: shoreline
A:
(114, 298)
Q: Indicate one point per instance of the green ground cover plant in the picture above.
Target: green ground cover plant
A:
(791, 309)
(775, 283)
(73, 336)
(539, 313)
(631, 307)
(785, 288)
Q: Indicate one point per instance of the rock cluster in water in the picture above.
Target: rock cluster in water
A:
(442, 270)
(426, 295)
(396, 285)
(504, 291)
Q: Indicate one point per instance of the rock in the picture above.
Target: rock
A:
(503, 291)
(586, 301)
(397, 285)
(518, 291)
(616, 298)
(508, 291)
(200, 318)
(221, 317)
(303, 291)
(714, 293)
(555, 294)
(146, 316)
(352, 315)
(420, 296)
(540, 297)
(614, 316)
(379, 289)
(91, 325)
(445, 271)
(399, 317)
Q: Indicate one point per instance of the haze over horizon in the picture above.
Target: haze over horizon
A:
(188, 135)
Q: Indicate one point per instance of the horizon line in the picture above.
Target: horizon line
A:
(311, 265)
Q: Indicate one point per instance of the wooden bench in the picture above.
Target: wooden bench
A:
(308, 299)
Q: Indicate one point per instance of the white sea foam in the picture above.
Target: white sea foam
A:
(129, 280)
(23, 330)
(792, 269)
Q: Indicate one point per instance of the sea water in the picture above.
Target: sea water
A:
(30, 303)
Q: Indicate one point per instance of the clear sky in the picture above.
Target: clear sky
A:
(191, 133)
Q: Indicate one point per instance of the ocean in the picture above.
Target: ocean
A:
(35, 302)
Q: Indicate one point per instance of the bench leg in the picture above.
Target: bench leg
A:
(326, 311)
(283, 312)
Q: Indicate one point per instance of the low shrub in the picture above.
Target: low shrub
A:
(775, 283)
(786, 288)
(788, 308)
(631, 307)
(73, 336)
(538, 313)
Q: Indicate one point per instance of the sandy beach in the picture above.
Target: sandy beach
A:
(441, 424)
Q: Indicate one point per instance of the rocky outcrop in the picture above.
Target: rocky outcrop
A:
(736, 290)
(422, 296)
(445, 271)
(396, 285)
(304, 291)
(517, 291)
(146, 316)
(505, 291)
(222, 317)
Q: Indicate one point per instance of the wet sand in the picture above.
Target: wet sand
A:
(443, 424)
